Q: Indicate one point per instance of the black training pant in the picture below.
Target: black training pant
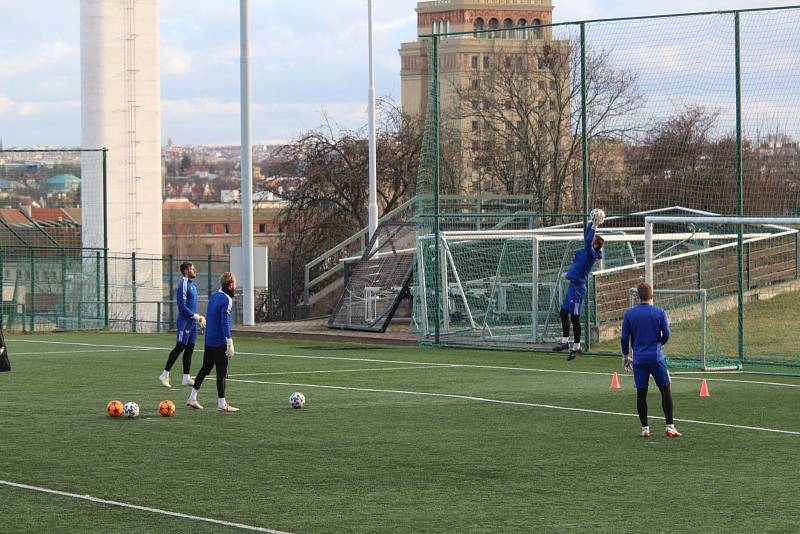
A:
(576, 324)
(187, 357)
(213, 357)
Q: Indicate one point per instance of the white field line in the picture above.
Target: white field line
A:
(137, 507)
(432, 364)
(514, 403)
(74, 352)
(345, 370)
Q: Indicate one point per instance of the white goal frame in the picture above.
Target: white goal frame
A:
(452, 287)
(650, 220)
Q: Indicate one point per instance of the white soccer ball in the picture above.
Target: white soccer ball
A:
(598, 216)
(297, 400)
(131, 409)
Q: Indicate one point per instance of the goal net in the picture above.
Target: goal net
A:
(505, 288)
(749, 269)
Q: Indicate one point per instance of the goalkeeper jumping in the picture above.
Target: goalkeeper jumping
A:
(578, 276)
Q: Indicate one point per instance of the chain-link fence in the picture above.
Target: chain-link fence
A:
(691, 114)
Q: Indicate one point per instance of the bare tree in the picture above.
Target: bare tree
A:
(518, 120)
(328, 202)
(686, 161)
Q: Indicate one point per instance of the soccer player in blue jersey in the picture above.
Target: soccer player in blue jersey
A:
(646, 329)
(578, 276)
(187, 322)
(219, 344)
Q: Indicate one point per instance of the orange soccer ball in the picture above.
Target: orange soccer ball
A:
(114, 408)
(166, 408)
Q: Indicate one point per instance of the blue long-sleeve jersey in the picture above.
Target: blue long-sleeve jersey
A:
(186, 297)
(646, 329)
(584, 259)
(218, 319)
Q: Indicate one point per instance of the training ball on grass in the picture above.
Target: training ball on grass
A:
(297, 400)
(131, 409)
(166, 408)
(114, 408)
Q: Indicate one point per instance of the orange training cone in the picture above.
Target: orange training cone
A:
(704, 389)
(615, 381)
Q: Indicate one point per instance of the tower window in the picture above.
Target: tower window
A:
(478, 26)
(493, 25)
(537, 32)
(508, 24)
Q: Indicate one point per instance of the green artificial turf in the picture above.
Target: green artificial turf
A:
(491, 446)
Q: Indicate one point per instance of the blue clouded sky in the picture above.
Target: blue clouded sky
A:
(308, 57)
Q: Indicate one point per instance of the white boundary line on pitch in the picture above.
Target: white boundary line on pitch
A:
(75, 352)
(433, 364)
(346, 370)
(515, 403)
(137, 507)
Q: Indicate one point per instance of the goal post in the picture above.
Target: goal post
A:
(688, 315)
(750, 270)
(504, 288)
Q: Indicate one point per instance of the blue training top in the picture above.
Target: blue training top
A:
(584, 259)
(646, 328)
(186, 297)
(218, 319)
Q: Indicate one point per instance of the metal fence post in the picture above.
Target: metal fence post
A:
(210, 285)
(158, 317)
(270, 292)
(63, 285)
(171, 291)
(739, 184)
(105, 234)
(585, 157)
(441, 300)
(96, 306)
(133, 290)
(306, 279)
(32, 292)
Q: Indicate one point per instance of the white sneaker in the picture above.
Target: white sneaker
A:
(227, 409)
(672, 432)
(164, 381)
(187, 381)
(645, 432)
(194, 404)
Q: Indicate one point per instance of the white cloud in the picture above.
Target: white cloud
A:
(5, 103)
(175, 60)
(41, 58)
(42, 108)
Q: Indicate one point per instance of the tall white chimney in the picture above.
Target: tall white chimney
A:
(121, 111)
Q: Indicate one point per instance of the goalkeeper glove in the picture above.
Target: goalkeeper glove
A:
(200, 320)
(229, 350)
(598, 216)
(627, 363)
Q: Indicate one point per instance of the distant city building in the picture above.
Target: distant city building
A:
(478, 76)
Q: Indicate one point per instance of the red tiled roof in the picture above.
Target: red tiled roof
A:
(13, 216)
(50, 214)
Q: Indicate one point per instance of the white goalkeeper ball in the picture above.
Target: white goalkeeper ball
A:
(131, 409)
(297, 400)
(598, 216)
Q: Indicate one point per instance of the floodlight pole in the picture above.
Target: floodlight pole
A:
(373, 172)
(248, 315)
